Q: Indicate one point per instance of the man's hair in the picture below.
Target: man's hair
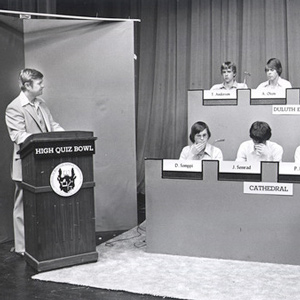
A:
(28, 75)
(228, 65)
(260, 131)
(198, 127)
(274, 63)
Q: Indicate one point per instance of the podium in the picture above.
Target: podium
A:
(58, 185)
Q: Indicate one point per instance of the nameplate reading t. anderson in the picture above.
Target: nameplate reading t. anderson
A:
(219, 94)
(268, 188)
(182, 165)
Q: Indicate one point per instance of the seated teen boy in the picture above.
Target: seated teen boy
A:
(259, 148)
(228, 71)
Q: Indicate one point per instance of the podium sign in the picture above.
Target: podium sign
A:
(58, 185)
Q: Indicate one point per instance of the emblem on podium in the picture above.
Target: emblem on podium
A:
(66, 179)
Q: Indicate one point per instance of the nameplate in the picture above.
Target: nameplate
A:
(268, 188)
(239, 167)
(219, 94)
(286, 109)
(175, 165)
(259, 94)
(289, 168)
(73, 148)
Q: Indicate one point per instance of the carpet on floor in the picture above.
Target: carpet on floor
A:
(125, 265)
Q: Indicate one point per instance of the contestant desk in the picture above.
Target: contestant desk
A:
(210, 213)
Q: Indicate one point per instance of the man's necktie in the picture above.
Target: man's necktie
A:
(40, 116)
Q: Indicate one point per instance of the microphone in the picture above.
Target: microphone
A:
(246, 75)
(219, 140)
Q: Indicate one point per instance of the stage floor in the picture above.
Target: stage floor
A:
(16, 282)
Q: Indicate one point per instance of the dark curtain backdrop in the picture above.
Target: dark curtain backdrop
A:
(180, 45)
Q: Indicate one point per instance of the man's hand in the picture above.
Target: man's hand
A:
(198, 148)
(261, 150)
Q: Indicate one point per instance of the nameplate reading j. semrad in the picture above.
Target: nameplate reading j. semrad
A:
(285, 109)
(175, 165)
(268, 188)
(239, 167)
(219, 94)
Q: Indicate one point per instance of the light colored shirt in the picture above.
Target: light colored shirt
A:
(281, 84)
(297, 155)
(210, 153)
(247, 152)
(236, 85)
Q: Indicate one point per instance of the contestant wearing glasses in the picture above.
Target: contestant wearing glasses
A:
(200, 148)
(228, 71)
(273, 71)
(259, 148)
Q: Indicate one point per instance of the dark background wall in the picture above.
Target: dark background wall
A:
(89, 85)
(11, 60)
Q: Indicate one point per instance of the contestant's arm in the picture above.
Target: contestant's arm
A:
(218, 154)
(184, 153)
(277, 153)
(188, 153)
(241, 154)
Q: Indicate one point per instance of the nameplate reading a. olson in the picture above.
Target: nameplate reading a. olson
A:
(219, 94)
(286, 109)
(268, 188)
(239, 167)
(258, 94)
(182, 165)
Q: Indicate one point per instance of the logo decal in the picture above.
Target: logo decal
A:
(66, 179)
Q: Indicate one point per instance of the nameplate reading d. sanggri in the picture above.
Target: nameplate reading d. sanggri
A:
(65, 149)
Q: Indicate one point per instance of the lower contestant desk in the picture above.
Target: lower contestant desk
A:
(210, 218)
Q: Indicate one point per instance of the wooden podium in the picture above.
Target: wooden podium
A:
(58, 184)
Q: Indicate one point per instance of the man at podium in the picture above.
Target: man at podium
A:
(25, 115)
